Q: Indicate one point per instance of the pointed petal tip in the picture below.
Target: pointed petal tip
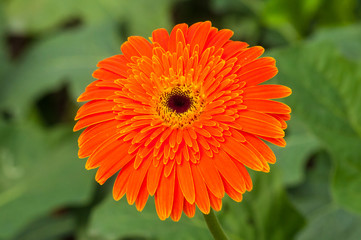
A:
(176, 218)
(82, 155)
(101, 181)
(130, 199)
(89, 165)
(139, 207)
(80, 98)
(205, 210)
(76, 127)
(115, 197)
(266, 169)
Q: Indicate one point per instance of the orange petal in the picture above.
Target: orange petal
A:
(214, 131)
(204, 143)
(110, 166)
(121, 182)
(161, 36)
(232, 48)
(258, 116)
(191, 31)
(189, 209)
(228, 170)
(105, 149)
(136, 180)
(216, 203)
(285, 117)
(266, 92)
(249, 55)
(129, 51)
(168, 168)
(261, 127)
(93, 136)
(185, 179)
(178, 202)
(242, 154)
(237, 135)
(178, 29)
(211, 176)
(267, 106)
(266, 167)
(142, 196)
(105, 74)
(164, 196)
(142, 45)
(202, 199)
(220, 38)
(94, 107)
(258, 63)
(203, 132)
(96, 93)
(276, 141)
(232, 193)
(200, 36)
(187, 137)
(247, 178)
(116, 64)
(153, 178)
(263, 148)
(281, 120)
(258, 75)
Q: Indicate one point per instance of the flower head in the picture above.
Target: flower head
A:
(180, 117)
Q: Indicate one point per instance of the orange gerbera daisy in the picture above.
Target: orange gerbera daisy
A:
(181, 117)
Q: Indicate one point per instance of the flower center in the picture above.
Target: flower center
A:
(180, 105)
(178, 101)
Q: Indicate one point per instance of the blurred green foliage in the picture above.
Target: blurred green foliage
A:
(48, 51)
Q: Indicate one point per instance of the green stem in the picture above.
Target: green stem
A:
(214, 226)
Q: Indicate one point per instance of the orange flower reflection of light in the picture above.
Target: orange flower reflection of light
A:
(181, 117)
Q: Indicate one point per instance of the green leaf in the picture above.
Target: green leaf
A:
(348, 42)
(314, 194)
(292, 18)
(140, 17)
(262, 211)
(326, 89)
(271, 206)
(332, 224)
(221, 6)
(347, 177)
(38, 15)
(334, 12)
(3, 51)
(39, 172)
(68, 57)
(347, 39)
(301, 144)
(114, 220)
(298, 18)
(48, 228)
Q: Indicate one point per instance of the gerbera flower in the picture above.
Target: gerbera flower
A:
(182, 117)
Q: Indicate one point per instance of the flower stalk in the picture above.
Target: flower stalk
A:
(214, 226)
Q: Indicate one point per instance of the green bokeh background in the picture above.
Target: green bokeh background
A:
(48, 51)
